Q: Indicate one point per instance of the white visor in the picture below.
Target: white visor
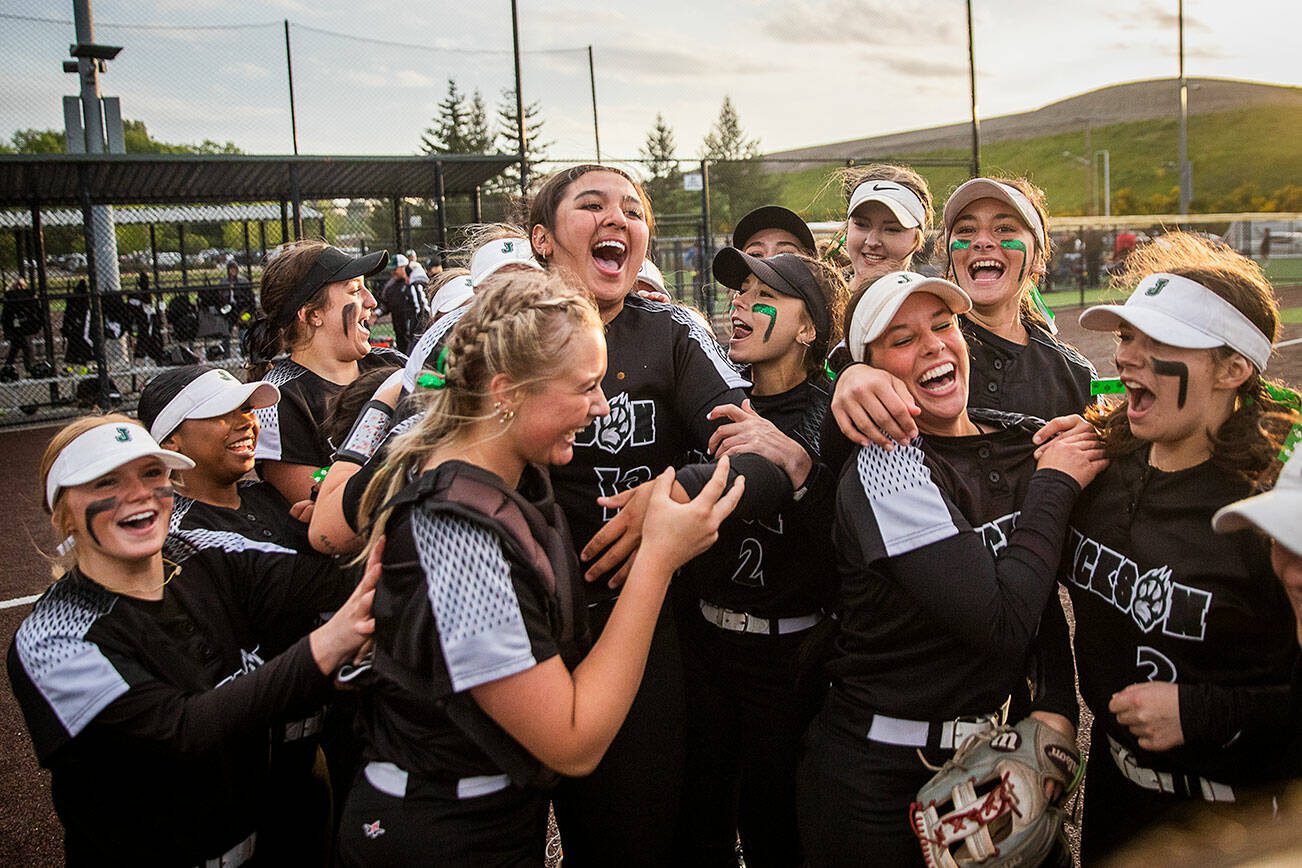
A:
(651, 276)
(496, 255)
(453, 294)
(903, 202)
(214, 393)
(1275, 512)
(881, 301)
(103, 449)
(985, 188)
(1183, 313)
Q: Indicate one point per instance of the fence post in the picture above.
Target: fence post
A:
(153, 253)
(42, 288)
(707, 243)
(441, 202)
(96, 303)
(248, 254)
(180, 242)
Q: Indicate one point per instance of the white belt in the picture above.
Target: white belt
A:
(915, 733)
(741, 622)
(392, 781)
(235, 856)
(1165, 782)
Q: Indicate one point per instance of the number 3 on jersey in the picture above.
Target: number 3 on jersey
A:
(750, 564)
(612, 480)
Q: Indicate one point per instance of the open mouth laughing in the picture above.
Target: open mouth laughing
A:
(986, 270)
(939, 379)
(610, 255)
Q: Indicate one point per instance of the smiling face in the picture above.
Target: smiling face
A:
(759, 335)
(877, 243)
(924, 347)
(341, 323)
(220, 447)
(993, 253)
(122, 515)
(767, 243)
(599, 234)
(547, 419)
(1175, 397)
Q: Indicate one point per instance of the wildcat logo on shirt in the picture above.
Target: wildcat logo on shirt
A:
(995, 533)
(1151, 598)
(630, 423)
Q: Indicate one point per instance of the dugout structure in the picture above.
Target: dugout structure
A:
(247, 186)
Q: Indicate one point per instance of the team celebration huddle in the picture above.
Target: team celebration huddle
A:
(793, 599)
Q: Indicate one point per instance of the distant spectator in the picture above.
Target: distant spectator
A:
(78, 348)
(1265, 245)
(405, 298)
(147, 320)
(21, 318)
(182, 318)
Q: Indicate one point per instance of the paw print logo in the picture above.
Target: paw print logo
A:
(615, 430)
(1152, 598)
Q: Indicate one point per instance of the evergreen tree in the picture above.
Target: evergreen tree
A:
(665, 184)
(738, 180)
(479, 137)
(508, 141)
(447, 135)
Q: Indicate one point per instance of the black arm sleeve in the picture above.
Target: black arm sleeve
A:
(196, 723)
(767, 490)
(1053, 676)
(994, 605)
(1213, 715)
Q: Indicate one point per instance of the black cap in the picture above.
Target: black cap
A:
(785, 273)
(773, 217)
(332, 265)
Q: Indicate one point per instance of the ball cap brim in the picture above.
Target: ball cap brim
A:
(773, 217)
(198, 392)
(1275, 512)
(784, 273)
(881, 301)
(103, 449)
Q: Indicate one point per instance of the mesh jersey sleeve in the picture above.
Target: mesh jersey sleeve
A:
(289, 432)
(705, 378)
(490, 623)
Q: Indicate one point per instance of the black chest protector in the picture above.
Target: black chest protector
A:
(536, 541)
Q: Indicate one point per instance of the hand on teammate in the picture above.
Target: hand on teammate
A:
(1151, 711)
(614, 546)
(1071, 445)
(748, 431)
(346, 634)
(873, 406)
(672, 532)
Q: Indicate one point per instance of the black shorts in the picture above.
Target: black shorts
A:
(505, 828)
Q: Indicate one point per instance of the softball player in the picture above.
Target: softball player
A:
(315, 305)
(947, 549)
(480, 689)
(996, 237)
(1184, 640)
(148, 667)
(750, 604)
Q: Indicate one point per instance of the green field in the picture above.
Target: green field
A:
(1236, 156)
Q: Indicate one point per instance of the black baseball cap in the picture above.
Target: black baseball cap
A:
(773, 217)
(785, 273)
(332, 265)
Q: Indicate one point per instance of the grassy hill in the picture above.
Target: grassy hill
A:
(1241, 159)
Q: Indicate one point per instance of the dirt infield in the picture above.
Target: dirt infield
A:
(30, 833)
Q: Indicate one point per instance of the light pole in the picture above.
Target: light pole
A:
(1107, 180)
(1089, 166)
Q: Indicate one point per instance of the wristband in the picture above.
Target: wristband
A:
(367, 433)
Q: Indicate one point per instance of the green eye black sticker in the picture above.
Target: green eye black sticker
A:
(770, 312)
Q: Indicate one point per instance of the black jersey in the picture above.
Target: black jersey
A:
(780, 565)
(153, 716)
(262, 516)
(665, 371)
(1158, 597)
(293, 430)
(947, 549)
(457, 607)
(1045, 378)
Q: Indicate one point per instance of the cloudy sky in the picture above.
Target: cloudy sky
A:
(369, 73)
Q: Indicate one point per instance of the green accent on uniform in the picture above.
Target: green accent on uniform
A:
(1107, 387)
(1291, 441)
(769, 311)
(958, 244)
(1038, 301)
(832, 250)
(827, 370)
(320, 475)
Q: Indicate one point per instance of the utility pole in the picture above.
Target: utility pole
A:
(971, 68)
(521, 134)
(1186, 171)
(592, 80)
(289, 69)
